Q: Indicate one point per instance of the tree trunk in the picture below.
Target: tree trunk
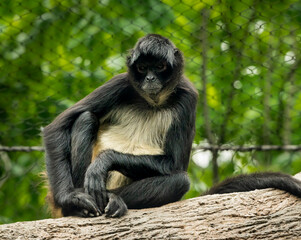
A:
(260, 214)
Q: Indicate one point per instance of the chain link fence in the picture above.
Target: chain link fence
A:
(243, 57)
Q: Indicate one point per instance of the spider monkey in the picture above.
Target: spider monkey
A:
(127, 144)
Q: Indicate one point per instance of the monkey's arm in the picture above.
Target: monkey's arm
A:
(57, 141)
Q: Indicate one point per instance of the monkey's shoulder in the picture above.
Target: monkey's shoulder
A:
(187, 86)
(185, 93)
(111, 91)
(118, 82)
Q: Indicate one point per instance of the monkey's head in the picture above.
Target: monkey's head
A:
(155, 67)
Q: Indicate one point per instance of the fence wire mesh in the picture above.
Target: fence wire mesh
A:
(243, 56)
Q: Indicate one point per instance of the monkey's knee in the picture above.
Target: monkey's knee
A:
(87, 116)
(180, 184)
(85, 122)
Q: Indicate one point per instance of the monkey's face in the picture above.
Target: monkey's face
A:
(151, 74)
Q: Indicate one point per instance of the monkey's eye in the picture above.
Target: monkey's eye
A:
(141, 68)
(160, 67)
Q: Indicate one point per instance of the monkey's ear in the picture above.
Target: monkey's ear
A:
(178, 56)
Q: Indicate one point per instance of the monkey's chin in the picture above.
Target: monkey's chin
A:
(154, 96)
(152, 92)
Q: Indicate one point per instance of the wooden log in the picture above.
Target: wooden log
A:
(259, 214)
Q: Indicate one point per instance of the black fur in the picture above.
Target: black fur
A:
(155, 45)
(156, 191)
(244, 183)
(83, 136)
(79, 186)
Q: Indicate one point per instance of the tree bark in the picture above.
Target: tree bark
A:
(260, 214)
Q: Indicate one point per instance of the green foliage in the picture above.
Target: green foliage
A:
(53, 53)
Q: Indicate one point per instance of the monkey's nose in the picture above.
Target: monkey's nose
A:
(150, 78)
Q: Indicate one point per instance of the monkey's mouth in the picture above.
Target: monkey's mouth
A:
(151, 90)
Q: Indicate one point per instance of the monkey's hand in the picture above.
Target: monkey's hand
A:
(116, 206)
(95, 184)
(80, 204)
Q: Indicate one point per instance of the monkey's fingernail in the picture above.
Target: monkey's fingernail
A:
(115, 214)
(91, 215)
(97, 214)
(106, 209)
(86, 212)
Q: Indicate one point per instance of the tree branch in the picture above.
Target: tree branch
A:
(260, 214)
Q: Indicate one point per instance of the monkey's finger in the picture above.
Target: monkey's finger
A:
(116, 207)
(118, 213)
(111, 207)
(92, 209)
(87, 203)
(99, 201)
(104, 195)
(90, 202)
(100, 193)
(91, 187)
(97, 194)
(91, 193)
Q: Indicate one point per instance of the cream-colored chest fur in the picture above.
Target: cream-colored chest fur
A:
(132, 130)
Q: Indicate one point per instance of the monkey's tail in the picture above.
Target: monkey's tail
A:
(250, 182)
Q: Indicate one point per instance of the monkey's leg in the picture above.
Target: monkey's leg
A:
(83, 136)
(155, 191)
(149, 192)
